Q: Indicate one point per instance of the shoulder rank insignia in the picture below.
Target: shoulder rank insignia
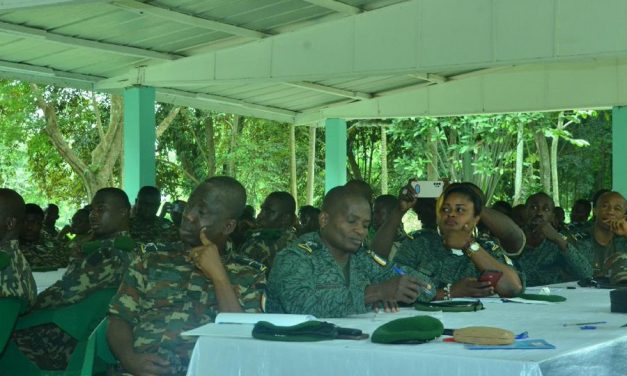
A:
(305, 246)
(378, 259)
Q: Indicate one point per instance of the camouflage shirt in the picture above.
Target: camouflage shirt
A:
(427, 254)
(16, 278)
(598, 254)
(547, 264)
(399, 238)
(103, 266)
(306, 279)
(156, 230)
(164, 294)
(263, 245)
(45, 254)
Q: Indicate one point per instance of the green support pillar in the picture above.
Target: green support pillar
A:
(139, 139)
(335, 158)
(619, 149)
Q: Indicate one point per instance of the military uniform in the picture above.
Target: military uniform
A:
(399, 238)
(164, 294)
(263, 245)
(306, 279)
(158, 230)
(16, 278)
(598, 254)
(45, 254)
(547, 264)
(427, 254)
(102, 267)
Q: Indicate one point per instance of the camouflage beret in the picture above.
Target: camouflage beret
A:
(308, 331)
(417, 329)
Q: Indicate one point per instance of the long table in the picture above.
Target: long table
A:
(228, 349)
(43, 280)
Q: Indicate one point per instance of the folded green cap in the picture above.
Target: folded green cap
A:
(307, 331)
(544, 298)
(417, 329)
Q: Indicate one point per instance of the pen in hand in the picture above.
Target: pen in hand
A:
(426, 290)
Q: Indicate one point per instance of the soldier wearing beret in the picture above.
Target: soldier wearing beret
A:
(181, 285)
(329, 274)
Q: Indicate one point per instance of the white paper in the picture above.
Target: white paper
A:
(252, 318)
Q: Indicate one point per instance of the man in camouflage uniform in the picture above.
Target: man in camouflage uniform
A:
(181, 285)
(16, 279)
(104, 263)
(605, 244)
(384, 205)
(275, 229)
(329, 274)
(146, 226)
(42, 251)
(51, 214)
(549, 257)
(579, 215)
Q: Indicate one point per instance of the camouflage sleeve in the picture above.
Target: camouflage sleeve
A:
(250, 284)
(407, 254)
(578, 262)
(16, 279)
(126, 302)
(292, 283)
(495, 250)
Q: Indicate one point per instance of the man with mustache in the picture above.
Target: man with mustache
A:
(549, 257)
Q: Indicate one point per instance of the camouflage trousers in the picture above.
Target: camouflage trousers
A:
(46, 345)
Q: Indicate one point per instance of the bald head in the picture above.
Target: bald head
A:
(610, 206)
(232, 192)
(11, 214)
(337, 199)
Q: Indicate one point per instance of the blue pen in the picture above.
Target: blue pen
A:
(426, 291)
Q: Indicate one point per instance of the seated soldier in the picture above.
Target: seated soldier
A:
(579, 215)
(549, 257)
(275, 229)
(308, 219)
(384, 205)
(456, 255)
(245, 223)
(16, 278)
(181, 285)
(559, 216)
(329, 274)
(103, 265)
(51, 214)
(40, 249)
(146, 226)
(605, 243)
(79, 227)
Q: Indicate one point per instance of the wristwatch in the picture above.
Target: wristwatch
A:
(472, 248)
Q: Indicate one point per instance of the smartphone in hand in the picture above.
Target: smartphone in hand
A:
(491, 276)
(430, 188)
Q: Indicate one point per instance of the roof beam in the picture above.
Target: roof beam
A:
(329, 90)
(336, 6)
(31, 32)
(413, 37)
(21, 4)
(172, 15)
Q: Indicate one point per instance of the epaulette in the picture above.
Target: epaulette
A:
(378, 259)
(4, 260)
(249, 262)
(306, 246)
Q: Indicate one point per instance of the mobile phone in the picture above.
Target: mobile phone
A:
(428, 188)
(491, 276)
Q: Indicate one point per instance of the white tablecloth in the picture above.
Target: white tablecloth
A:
(230, 349)
(46, 279)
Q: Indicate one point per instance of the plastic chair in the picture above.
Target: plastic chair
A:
(77, 320)
(10, 308)
(98, 356)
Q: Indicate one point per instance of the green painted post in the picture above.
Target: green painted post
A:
(139, 139)
(619, 149)
(335, 157)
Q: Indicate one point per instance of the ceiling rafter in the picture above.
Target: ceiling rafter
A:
(336, 6)
(31, 32)
(35, 70)
(174, 16)
(330, 90)
(21, 4)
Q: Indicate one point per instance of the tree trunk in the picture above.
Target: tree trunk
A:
(432, 156)
(520, 155)
(545, 160)
(211, 147)
(352, 161)
(235, 128)
(555, 139)
(293, 187)
(384, 161)
(311, 165)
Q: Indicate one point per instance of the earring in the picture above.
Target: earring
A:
(475, 232)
